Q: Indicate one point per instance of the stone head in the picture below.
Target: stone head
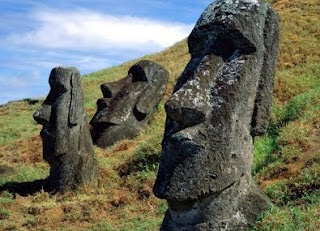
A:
(128, 103)
(207, 144)
(61, 110)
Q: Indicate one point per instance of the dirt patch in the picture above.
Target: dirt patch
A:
(54, 214)
(123, 146)
(23, 151)
(31, 149)
(278, 173)
(6, 171)
(292, 168)
(22, 202)
(104, 174)
(119, 198)
(144, 192)
(300, 190)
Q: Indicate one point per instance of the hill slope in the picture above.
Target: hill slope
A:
(286, 166)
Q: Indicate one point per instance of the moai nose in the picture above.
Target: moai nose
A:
(186, 109)
(42, 115)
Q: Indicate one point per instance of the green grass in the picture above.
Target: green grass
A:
(290, 190)
(139, 223)
(17, 122)
(289, 218)
(300, 110)
(26, 173)
(263, 153)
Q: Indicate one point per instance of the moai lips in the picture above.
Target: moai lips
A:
(67, 144)
(221, 100)
(127, 104)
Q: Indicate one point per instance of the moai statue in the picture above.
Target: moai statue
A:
(220, 102)
(67, 143)
(127, 104)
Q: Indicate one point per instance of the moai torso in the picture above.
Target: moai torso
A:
(67, 144)
(127, 104)
(221, 100)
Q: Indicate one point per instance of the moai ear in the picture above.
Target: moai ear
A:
(262, 108)
(75, 112)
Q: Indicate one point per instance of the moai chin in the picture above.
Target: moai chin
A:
(127, 104)
(220, 102)
(67, 143)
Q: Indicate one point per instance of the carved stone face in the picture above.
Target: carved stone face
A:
(60, 111)
(127, 104)
(207, 144)
(221, 100)
(208, 129)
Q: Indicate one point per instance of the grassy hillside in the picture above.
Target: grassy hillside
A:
(287, 158)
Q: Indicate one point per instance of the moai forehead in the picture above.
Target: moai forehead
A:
(60, 79)
(228, 25)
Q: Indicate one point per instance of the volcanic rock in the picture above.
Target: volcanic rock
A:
(67, 144)
(220, 102)
(127, 104)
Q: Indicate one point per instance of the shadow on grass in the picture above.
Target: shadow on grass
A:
(26, 188)
(22, 188)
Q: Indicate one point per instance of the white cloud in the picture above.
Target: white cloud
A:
(83, 30)
(44, 38)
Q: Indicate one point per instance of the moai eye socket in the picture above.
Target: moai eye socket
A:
(106, 91)
(139, 115)
(224, 47)
(231, 45)
(60, 88)
(138, 74)
(57, 87)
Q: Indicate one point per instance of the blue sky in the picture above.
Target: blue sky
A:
(36, 36)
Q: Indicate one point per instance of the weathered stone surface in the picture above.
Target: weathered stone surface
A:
(221, 100)
(67, 144)
(127, 104)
